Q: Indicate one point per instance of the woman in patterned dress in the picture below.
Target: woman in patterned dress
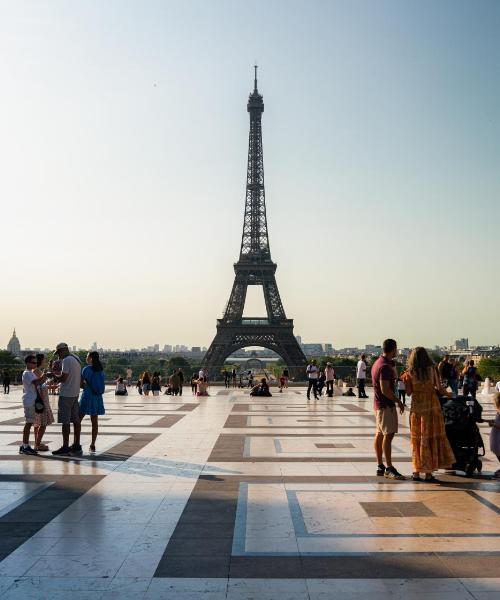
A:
(46, 417)
(430, 447)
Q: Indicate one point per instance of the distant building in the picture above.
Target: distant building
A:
(167, 348)
(461, 344)
(312, 349)
(14, 346)
(299, 339)
(328, 349)
(94, 347)
(373, 349)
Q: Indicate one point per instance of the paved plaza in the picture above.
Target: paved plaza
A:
(235, 497)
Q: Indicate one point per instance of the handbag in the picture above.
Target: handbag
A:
(39, 403)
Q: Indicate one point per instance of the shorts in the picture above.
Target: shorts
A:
(29, 414)
(68, 410)
(387, 420)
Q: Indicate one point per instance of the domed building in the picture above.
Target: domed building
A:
(14, 346)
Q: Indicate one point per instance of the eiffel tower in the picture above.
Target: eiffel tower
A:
(255, 267)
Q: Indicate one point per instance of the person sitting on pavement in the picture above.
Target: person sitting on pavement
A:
(262, 389)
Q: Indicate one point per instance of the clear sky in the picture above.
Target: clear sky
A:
(123, 159)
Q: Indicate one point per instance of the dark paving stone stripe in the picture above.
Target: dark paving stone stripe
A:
(201, 544)
(168, 421)
(241, 408)
(21, 523)
(189, 406)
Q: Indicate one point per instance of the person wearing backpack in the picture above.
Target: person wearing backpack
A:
(471, 379)
(91, 402)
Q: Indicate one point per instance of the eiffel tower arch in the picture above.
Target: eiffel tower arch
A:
(255, 267)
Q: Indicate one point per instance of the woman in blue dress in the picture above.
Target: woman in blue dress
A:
(91, 402)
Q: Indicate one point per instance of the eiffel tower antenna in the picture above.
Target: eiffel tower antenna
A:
(255, 267)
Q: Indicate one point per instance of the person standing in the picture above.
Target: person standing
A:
(312, 379)
(431, 449)
(156, 383)
(495, 432)
(286, 377)
(194, 383)
(44, 418)
(384, 403)
(146, 383)
(361, 376)
(233, 377)
(68, 408)
(91, 402)
(329, 379)
(181, 380)
(471, 378)
(321, 383)
(6, 382)
(453, 378)
(444, 369)
(129, 376)
(250, 379)
(174, 382)
(225, 374)
(30, 382)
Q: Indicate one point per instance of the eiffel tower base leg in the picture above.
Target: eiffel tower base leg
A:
(278, 338)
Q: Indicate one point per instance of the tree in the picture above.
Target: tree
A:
(489, 367)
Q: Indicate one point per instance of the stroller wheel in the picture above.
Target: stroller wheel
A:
(469, 470)
(479, 466)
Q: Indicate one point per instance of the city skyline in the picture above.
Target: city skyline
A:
(125, 138)
(458, 343)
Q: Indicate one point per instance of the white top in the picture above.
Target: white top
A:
(71, 387)
(329, 373)
(312, 371)
(129, 373)
(29, 389)
(361, 370)
(120, 387)
(497, 387)
(401, 385)
(201, 374)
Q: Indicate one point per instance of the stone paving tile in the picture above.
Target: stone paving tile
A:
(226, 496)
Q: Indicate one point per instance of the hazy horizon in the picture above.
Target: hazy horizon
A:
(124, 148)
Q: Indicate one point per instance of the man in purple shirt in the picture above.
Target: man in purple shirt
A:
(385, 400)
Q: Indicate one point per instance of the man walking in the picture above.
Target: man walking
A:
(385, 401)
(68, 409)
(312, 379)
(361, 376)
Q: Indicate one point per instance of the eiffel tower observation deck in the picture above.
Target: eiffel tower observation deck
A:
(255, 267)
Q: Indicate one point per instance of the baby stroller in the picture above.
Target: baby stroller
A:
(461, 416)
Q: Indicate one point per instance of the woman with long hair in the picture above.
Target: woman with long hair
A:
(146, 382)
(46, 417)
(430, 447)
(91, 402)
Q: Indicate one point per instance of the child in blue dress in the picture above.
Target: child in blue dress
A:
(91, 402)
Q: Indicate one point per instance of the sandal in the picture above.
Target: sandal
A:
(416, 478)
(92, 448)
(42, 448)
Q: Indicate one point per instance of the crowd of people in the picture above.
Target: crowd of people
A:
(72, 406)
(422, 380)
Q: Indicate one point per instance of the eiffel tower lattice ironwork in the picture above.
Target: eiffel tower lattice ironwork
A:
(255, 267)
